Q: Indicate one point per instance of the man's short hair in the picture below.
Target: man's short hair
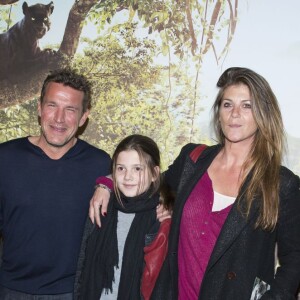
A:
(69, 77)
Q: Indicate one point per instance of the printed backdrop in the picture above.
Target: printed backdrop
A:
(153, 64)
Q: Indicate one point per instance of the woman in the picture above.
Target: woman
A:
(234, 204)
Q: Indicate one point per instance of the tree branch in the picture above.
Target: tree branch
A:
(5, 2)
(191, 27)
(213, 22)
(77, 15)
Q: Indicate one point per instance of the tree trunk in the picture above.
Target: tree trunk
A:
(74, 26)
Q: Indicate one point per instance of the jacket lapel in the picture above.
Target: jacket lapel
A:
(191, 174)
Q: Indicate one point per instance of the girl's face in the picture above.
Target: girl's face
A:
(132, 176)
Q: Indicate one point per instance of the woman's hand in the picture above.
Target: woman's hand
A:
(98, 204)
(162, 213)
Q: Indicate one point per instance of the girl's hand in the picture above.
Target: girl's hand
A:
(162, 213)
(98, 204)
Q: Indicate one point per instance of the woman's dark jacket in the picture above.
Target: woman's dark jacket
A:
(242, 253)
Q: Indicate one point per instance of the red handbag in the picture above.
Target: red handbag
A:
(154, 256)
(194, 155)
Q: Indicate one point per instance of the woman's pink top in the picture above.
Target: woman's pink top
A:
(199, 230)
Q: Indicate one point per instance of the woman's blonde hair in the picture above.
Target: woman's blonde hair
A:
(265, 157)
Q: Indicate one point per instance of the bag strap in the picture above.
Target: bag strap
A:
(194, 155)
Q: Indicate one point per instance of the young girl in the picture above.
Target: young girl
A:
(111, 262)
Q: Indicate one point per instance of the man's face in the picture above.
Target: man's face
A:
(61, 113)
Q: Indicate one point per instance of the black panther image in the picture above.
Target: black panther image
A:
(19, 46)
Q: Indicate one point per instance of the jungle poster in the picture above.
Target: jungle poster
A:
(154, 64)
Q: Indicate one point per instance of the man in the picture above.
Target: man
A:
(46, 182)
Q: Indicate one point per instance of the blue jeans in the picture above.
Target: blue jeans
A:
(7, 294)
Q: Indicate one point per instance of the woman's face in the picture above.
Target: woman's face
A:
(236, 116)
(132, 175)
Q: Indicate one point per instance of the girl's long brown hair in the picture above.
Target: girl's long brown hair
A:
(265, 158)
(149, 154)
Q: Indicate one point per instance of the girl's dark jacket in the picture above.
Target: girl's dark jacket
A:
(98, 256)
(242, 254)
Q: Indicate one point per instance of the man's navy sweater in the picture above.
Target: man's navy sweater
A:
(43, 207)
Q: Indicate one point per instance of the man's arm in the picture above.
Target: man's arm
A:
(100, 200)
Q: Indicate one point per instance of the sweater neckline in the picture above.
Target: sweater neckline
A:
(71, 152)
